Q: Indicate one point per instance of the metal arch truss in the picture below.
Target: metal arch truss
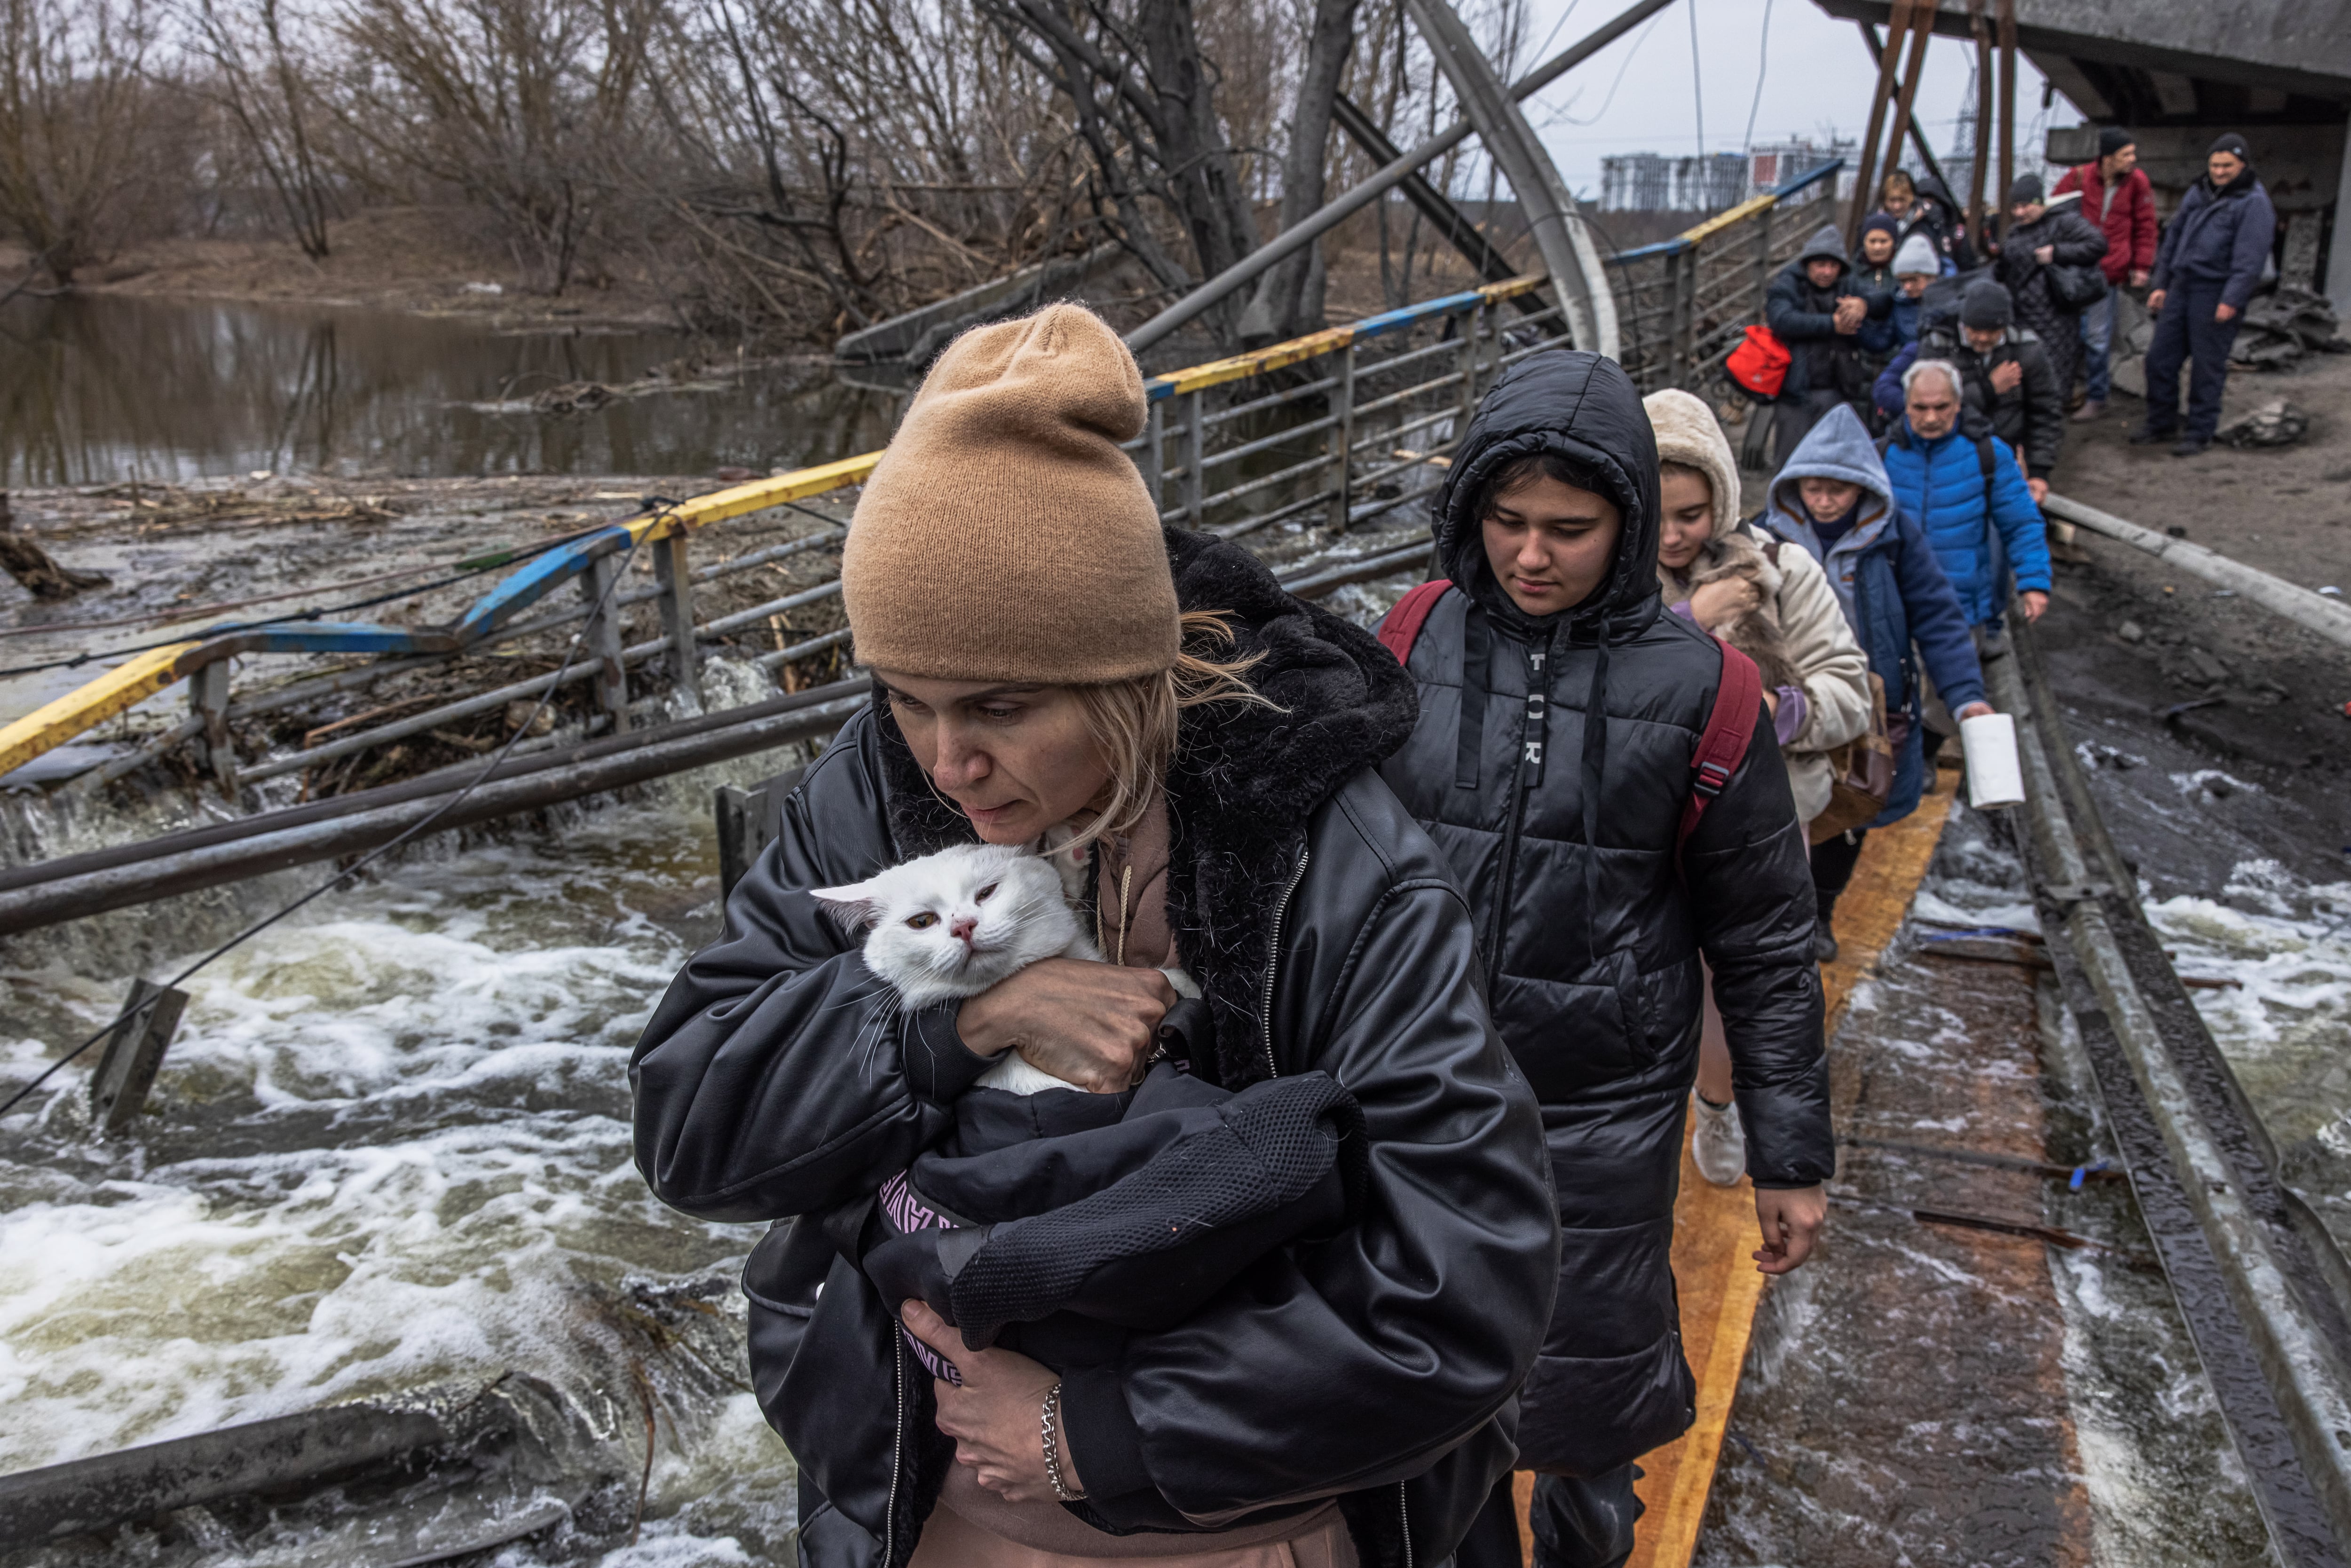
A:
(1560, 235)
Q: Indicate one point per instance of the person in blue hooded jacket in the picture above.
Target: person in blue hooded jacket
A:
(2205, 270)
(1963, 485)
(1834, 500)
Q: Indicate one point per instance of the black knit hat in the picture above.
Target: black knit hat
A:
(1886, 223)
(1985, 306)
(2026, 188)
(2113, 140)
(2230, 141)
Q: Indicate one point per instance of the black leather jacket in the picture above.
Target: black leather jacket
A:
(1564, 834)
(1377, 1365)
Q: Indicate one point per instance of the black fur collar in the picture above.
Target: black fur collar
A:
(1244, 782)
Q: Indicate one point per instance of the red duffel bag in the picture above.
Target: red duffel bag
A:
(1760, 363)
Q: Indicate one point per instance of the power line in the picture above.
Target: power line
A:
(1762, 68)
(1564, 118)
(1697, 89)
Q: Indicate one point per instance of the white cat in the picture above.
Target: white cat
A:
(950, 925)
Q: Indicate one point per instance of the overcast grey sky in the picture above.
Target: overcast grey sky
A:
(1638, 94)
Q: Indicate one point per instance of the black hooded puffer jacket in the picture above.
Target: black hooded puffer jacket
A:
(1376, 1366)
(1563, 832)
(1803, 316)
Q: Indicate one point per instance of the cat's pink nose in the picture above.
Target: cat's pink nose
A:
(962, 926)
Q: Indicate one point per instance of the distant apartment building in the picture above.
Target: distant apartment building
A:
(1771, 164)
(1656, 183)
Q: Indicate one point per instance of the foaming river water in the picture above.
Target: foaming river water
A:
(389, 1150)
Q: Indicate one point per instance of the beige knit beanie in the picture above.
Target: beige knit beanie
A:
(1004, 535)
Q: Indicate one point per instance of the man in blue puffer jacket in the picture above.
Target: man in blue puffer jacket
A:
(1968, 493)
(2205, 271)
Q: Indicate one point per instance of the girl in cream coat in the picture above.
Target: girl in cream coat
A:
(1775, 605)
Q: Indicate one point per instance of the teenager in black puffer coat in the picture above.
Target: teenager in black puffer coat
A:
(1564, 834)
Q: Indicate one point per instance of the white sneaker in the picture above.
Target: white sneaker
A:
(1718, 1144)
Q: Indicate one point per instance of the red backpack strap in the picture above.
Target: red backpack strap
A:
(1400, 629)
(1729, 726)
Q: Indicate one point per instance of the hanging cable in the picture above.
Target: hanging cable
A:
(1697, 87)
(570, 652)
(1564, 118)
(1762, 68)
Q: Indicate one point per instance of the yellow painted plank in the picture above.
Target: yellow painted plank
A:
(1512, 288)
(1714, 1226)
(1258, 362)
(1730, 216)
(126, 686)
(740, 501)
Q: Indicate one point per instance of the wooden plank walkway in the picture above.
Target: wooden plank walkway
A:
(1714, 1226)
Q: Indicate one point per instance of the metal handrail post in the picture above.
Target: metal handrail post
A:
(1154, 453)
(602, 638)
(1678, 304)
(1466, 367)
(1686, 321)
(676, 581)
(208, 703)
(1342, 439)
(1196, 452)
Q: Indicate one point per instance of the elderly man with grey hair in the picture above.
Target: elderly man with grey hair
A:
(1963, 485)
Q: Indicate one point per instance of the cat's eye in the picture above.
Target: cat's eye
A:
(923, 921)
(981, 896)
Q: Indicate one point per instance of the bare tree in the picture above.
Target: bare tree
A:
(76, 107)
(522, 105)
(875, 153)
(1145, 102)
(251, 71)
(1289, 297)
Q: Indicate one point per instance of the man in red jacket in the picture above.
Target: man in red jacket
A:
(2116, 197)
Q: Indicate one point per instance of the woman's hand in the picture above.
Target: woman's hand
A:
(1716, 603)
(1093, 1025)
(997, 1416)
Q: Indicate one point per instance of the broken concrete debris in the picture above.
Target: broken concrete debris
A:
(2276, 423)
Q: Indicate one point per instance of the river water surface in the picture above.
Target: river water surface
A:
(97, 390)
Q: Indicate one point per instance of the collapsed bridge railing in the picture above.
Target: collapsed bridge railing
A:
(1224, 449)
(1220, 450)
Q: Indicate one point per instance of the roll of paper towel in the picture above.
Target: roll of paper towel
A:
(1995, 777)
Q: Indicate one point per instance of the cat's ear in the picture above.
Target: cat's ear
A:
(854, 904)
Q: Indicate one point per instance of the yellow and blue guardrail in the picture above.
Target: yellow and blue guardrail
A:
(154, 670)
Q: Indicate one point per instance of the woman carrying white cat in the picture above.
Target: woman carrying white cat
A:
(1049, 661)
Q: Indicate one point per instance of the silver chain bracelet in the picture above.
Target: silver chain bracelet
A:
(1050, 1420)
